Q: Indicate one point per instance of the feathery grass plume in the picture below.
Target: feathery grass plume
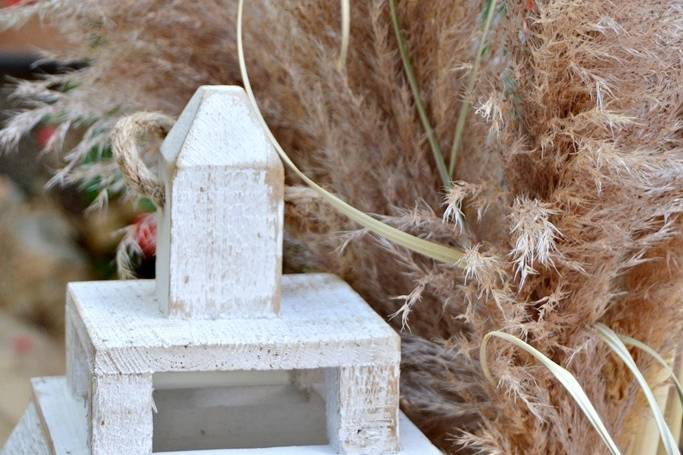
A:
(451, 256)
(576, 148)
(567, 380)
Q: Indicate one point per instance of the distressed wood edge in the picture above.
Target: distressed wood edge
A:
(79, 357)
(28, 437)
(381, 347)
(40, 413)
(412, 440)
(132, 425)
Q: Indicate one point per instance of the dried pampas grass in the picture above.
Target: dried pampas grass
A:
(567, 194)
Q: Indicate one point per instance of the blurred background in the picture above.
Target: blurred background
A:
(46, 237)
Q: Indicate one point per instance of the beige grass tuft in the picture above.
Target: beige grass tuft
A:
(570, 179)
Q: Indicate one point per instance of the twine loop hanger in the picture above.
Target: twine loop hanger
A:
(125, 139)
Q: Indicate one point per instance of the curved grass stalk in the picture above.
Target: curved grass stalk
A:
(648, 350)
(412, 82)
(430, 249)
(345, 32)
(469, 91)
(618, 347)
(567, 380)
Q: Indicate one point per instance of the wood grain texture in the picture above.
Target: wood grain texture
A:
(27, 438)
(323, 323)
(120, 415)
(77, 365)
(63, 416)
(220, 233)
(362, 409)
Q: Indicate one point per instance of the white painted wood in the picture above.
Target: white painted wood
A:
(121, 414)
(59, 410)
(219, 252)
(322, 323)
(194, 379)
(77, 370)
(246, 354)
(27, 438)
(63, 415)
(362, 408)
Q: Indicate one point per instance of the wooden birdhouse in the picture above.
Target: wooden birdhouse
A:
(221, 354)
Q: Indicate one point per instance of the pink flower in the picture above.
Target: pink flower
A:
(44, 134)
(145, 234)
(22, 344)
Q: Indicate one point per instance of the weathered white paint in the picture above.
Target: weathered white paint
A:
(64, 415)
(362, 409)
(242, 342)
(76, 357)
(193, 379)
(220, 233)
(57, 408)
(322, 323)
(28, 437)
(120, 415)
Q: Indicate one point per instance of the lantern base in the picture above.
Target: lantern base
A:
(55, 423)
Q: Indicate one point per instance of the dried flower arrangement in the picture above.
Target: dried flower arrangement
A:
(566, 192)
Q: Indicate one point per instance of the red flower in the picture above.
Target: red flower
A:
(12, 2)
(44, 134)
(22, 344)
(145, 234)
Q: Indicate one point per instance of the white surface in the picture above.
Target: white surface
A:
(222, 114)
(323, 323)
(362, 408)
(219, 246)
(120, 417)
(57, 408)
(26, 440)
(195, 379)
(77, 365)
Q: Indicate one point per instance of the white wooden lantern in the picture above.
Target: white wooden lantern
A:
(223, 354)
(220, 235)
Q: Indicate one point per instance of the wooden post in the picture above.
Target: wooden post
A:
(362, 409)
(219, 247)
(120, 414)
